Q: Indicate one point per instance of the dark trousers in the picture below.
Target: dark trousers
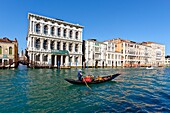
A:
(80, 78)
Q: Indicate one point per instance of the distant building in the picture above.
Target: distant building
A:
(139, 54)
(113, 58)
(157, 53)
(8, 52)
(167, 60)
(54, 42)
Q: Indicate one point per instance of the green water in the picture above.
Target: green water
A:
(45, 90)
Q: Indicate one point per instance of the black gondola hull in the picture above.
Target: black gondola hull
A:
(105, 79)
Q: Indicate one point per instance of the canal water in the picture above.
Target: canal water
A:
(45, 90)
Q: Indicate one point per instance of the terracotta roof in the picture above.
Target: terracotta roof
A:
(5, 39)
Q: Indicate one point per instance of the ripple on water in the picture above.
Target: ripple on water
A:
(45, 90)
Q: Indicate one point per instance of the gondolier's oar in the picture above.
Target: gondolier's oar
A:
(87, 84)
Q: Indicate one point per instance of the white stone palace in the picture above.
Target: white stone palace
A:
(54, 42)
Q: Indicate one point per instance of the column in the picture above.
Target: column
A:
(30, 26)
(49, 60)
(30, 57)
(73, 34)
(61, 32)
(61, 45)
(55, 45)
(33, 59)
(41, 28)
(80, 48)
(33, 43)
(80, 35)
(67, 61)
(55, 31)
(55, 63)
(67, 33)
(41, 44)
(49, 30)
(73, 48)
(41, 58)
(33, 27)
(61, 60)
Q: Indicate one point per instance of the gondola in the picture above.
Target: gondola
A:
(104, 79)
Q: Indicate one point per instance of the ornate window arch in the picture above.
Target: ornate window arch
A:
(45, 44)
(45, 29)
(71, 33)
(76, 47)
(64, 32)
(52, 30)
(76, 35)
(59, 31)
(38, 57)
(52, 45)
(10, 50)
(37, 43)
(37, 28)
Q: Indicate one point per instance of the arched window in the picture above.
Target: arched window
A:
(37, 43)
(0, 50)
(10, 50)
(45, 58)
(45, 29)
(70, 47)
(37, 57)
(77, 33)
(70, 33)
(58, 45)
(45, 46)
(37, 28)
(64, 33)
(59, 32)
(52, 45)
(52, 31)
(64, 46)
(76, 48)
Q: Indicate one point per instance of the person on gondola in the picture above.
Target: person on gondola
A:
(79, 75)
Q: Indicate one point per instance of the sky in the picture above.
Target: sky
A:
(135, 20)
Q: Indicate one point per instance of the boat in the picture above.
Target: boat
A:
(103, 79)
(149, 67)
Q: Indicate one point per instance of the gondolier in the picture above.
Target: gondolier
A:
(79, 75)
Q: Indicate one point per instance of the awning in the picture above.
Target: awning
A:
(60, 52)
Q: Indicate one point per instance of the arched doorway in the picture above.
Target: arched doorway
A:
(96, 64)
(103, 64)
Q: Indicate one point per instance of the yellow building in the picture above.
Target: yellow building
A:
(8, 52)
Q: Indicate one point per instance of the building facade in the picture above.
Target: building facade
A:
(95, 53)
(54, 42)
(8, 52)
(139, 54)
(158, 53)
(113, 59)
(101, 54)
(167, 61)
